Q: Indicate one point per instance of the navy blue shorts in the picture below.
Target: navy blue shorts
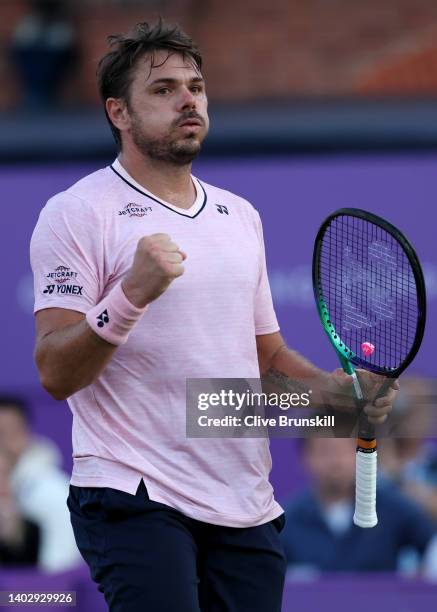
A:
(146, 556)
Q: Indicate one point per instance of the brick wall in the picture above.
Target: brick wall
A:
(267, 49)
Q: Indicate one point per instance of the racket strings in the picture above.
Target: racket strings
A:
(369, 287)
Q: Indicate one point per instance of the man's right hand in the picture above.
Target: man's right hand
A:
(157, 262)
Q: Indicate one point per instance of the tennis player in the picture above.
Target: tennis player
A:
(144, 277)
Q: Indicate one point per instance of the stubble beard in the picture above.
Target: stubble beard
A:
(168, 149)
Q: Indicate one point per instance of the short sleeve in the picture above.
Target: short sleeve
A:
(66, 255)
(265, 317)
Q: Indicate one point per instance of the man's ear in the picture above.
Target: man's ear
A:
(118, 112)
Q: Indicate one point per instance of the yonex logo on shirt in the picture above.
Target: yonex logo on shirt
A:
(64, 289)
(103, 318)
(222, 209)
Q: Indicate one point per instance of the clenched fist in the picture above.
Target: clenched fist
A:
(157, 262)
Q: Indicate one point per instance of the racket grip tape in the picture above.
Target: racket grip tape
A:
(365, 491)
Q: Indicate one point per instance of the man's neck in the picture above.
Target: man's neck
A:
(169, 182)
(330, 496)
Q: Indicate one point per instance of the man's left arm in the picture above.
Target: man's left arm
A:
(289, 371)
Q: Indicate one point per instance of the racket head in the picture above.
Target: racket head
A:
(369, 290)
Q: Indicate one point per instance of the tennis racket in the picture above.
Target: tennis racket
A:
(370, 295)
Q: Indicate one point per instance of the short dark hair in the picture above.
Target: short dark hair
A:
(114, 71)
(17, 404)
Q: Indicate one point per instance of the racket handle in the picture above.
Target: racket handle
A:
(384, 388)
(365, 488)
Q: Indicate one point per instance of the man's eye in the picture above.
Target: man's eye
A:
(196, 89)
(163, 90)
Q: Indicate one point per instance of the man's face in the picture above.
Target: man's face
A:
(331, 462)
(5, 473)
(14, 432)
(167, 108)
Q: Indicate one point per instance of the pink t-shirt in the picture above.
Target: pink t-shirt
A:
(130, 423)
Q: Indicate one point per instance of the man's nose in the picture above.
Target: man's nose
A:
(187, 99)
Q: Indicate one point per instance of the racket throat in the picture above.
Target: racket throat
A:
(357, 386)
(366, 431)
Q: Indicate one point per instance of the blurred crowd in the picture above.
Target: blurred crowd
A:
(35, 525)
(285, 49)
(43, 52)
(319, 535)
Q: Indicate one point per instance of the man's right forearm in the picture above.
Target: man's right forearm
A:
(71, 355)
(71, 358)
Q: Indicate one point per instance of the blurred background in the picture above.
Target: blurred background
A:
(314, 106)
